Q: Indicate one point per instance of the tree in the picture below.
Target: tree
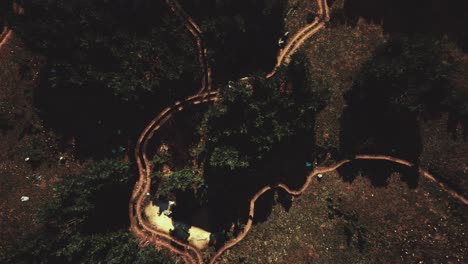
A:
(110, 45)
(256, 115)
(186, 179)
(412, 73)
(106, 63)
(87, 222)
(241, 35)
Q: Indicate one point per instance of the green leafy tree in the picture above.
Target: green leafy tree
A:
(413, 73)
(87, 222)
(104, 44)
(186, 179)
(256, 115)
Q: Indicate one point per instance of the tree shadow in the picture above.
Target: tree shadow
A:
(241, 35)
(90, 62)
(417, 16)
(376, 123)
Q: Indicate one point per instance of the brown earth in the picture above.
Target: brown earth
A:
(23, 133)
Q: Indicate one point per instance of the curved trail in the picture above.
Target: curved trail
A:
(321, 170)
(197, 34)
(146, 232)
(300, 37)
(142, 186)
(5, 36)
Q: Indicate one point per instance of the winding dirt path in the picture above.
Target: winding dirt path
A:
(300, 37)
(5, 36)
(146, 232)
(197, 34)
(322, 170)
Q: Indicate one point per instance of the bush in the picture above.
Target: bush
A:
(186, 179)
(87, 222)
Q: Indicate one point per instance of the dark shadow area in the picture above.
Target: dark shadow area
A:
(264, 206)
(457, 125)
(241, 36)
(412, 78)
(378, 172)
(111, 210)
(409, 79)
(417, 16)
(375, 121)
(108, 69)
(285, 199)
(230, 191)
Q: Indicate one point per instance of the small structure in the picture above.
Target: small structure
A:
(156, 215)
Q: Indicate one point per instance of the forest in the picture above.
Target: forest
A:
(104, 69)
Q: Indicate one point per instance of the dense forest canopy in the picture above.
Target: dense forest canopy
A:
(255, 115)
(86, 222)
(109, 67)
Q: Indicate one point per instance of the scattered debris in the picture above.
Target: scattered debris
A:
(24, 198)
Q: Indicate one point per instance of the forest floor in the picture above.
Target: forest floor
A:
(338, 221)
(23, 135)
(333, 221)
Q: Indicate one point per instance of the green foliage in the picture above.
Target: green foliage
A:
(255, 115)
(86, 222)
(227, 157)
(38, 151)
(160, 158)
(241, 35)
(186, 179)
(103, 44)
(413, 73)
(75, 197)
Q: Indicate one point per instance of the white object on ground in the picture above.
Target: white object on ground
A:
(320, 175)
(197, 236)
(27, 159)
(171, 203)
(24, 198)
(61, 158)
(167, 212)
(148, 194)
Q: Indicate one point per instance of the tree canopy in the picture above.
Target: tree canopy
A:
(86, 221)
(129, 47)
(255, 115)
